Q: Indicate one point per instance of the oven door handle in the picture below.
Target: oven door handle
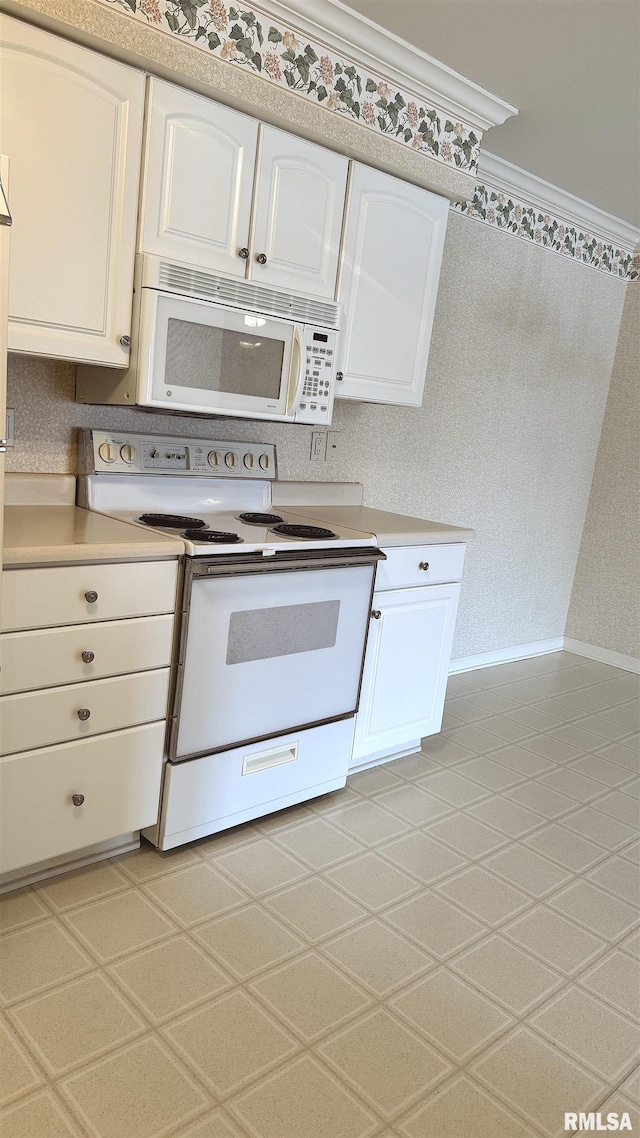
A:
(296, 370)
(236, 565)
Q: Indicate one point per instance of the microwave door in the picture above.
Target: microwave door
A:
(216, 360)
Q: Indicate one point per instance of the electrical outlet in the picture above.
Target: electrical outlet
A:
(318, 446)
(10, 433)
(333, 445)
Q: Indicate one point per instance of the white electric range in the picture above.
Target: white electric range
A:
(273, 618)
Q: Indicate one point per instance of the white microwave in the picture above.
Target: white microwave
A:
(212, 345)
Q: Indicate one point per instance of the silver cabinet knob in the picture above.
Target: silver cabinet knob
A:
(77, 799)
(91, 596)
(339, 376)
(423, 565)
(261, 258)
(125, 341)
(376, 614)
(88, 657)
(244, 253)
(83, 714)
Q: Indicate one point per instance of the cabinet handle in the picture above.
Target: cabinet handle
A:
(77, 799)
(88, 657)
(376, 614)
(340, 376)
(261, 258)
(244, 253)
(83, 714)
(423, 565)
(125, 341)
(91, 596)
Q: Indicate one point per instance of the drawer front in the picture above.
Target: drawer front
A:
(118, 775)
(40, 598)
(414, 565)
(54, 656)
(42, 718)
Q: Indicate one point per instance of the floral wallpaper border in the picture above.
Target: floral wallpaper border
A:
(503, 211)
(249, 38)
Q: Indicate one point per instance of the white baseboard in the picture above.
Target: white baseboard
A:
(77, 859)
(503, 655)
(604, 655)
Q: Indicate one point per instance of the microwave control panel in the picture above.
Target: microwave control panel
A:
(315, 403)
(115, 452)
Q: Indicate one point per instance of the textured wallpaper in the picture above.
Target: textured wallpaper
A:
(505, 441)
(604, 607)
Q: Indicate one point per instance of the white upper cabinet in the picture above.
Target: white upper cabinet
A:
(71, 125)
(206, 202)
(299, 206)
(198, 180)
(392, 250)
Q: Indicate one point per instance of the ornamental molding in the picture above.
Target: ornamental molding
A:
(510, 179)
(282, 44)
(339, 27)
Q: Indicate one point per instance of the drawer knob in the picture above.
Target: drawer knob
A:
(77, 799)
(83, 714)
(261, 258)
(88, 657)
(244, 253)
(91, 596)
(423, 565)
(340, 376)
(376, 614)
(125, 341)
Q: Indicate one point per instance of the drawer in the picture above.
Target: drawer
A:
(41, 718)
(119, 776)
(40, 598)
(413, 565)
(53, 656)
(218, 791)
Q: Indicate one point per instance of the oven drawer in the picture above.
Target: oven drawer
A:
(414, 565)
(118, 775)
(54, 656)
(40, 598)
(213, 793)
(38, 719)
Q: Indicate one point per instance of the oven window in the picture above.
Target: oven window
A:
(260, 634)
(221, 359)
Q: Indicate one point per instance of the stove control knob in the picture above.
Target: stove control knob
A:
(213, 458)
(249, 460)
(127, 454)
(107, 452)
(231, 459)
(264, 462)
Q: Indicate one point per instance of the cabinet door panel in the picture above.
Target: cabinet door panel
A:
(391, 264)
(199, 167)
(406, 668)
(299, 206)
(71, 123)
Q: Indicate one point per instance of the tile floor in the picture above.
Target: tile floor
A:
(448, 948)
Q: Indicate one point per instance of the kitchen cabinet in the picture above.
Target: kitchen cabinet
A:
(224, 193)
(71, 125)
(408, 651)
(390, 266)
(86, 656)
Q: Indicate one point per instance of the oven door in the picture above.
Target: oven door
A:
(269, 645)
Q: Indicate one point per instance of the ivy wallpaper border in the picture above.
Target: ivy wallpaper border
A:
(247, 37)
(503, 211)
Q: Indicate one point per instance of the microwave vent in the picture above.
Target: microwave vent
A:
(245, 294)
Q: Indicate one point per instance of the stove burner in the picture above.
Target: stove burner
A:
(213, 536)
(305, 533)
(170, 521)
(253, 519)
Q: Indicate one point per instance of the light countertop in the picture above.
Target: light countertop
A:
(389, 529)
(38, 535)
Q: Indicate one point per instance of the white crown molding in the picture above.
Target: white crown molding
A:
(502, 175)
(397, 61)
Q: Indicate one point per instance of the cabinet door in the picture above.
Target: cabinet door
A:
(198, 180)
(71, 124)
(394, 236)
(299, 205)
(406, 668)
